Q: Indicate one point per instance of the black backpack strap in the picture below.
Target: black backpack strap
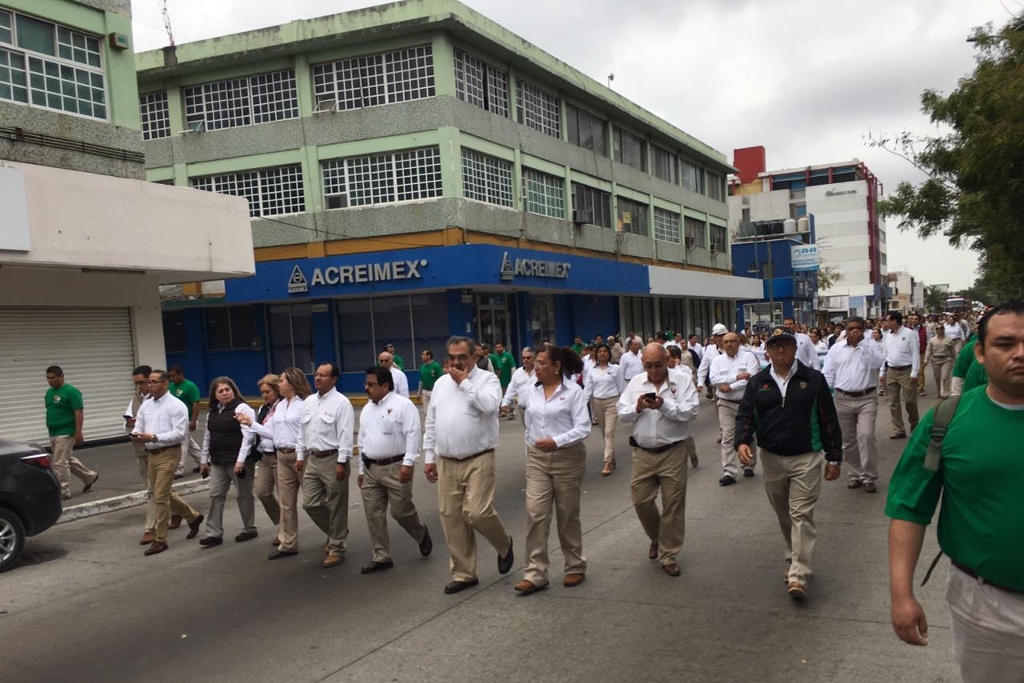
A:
(944, 412)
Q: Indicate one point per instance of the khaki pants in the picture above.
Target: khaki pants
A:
(325, 500)
(665, 471)
(988, 630)
(143, 462)
(425, 403)
(165, 501)
(857, 417)
(607, 417)
(382, 486)
(899, 387)
(265, 485)
(793, 484)
(921, 377)
(465, 495)
(288, 484)
(189, 449)
(66, 464)
(554, 478)
(942, 371)
(727, 423)
(221, 479)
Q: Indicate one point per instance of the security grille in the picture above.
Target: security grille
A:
(376, 80)
(486, 178)
(382, 178)
(271, 191)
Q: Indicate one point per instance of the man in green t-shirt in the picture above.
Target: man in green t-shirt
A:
(968, 373)
(64, 416)
(395, 358)
(980, 481)
(504, 365)
(188, 393)
(430, 371)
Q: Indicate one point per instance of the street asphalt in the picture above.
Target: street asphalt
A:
(85, 604)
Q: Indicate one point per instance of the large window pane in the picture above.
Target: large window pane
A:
(175, 339)
(430, 325)
(355, 330)
(391, 326)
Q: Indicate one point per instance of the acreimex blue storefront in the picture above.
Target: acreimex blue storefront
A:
(346, 308)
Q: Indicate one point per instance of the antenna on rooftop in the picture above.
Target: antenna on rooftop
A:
(611, 77)
(167, 22)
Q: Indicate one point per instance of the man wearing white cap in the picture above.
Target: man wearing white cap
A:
(710, 352)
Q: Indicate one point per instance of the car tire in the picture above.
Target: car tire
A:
(12, 539)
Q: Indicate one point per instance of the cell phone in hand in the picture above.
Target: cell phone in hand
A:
(205, 474)
(650, 396)
(241, 475)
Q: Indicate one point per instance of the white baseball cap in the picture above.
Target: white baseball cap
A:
(719, 329)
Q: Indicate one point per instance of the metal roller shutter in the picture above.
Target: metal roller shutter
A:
(92, 345)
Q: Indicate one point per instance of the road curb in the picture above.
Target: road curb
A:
(128, 500)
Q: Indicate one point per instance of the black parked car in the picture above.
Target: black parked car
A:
(29, 498)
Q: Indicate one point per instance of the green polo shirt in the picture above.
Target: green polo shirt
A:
(968, 368)
(61, 405)
(978, 484)
(399, 362)
(186, 392)
(504, 365)
(429, 373)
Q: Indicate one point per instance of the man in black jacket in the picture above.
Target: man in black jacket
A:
(789, 408)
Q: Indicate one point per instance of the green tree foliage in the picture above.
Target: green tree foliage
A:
(974, 192)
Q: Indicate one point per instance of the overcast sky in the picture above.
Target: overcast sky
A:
(808, 79)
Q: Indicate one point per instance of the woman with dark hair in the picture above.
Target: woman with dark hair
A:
(555, 414)
(223, 458)
(604, 384)
(283, 428)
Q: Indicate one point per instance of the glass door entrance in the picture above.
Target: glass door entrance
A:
(493, 319)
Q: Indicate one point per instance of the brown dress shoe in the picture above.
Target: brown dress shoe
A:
(332, 561)
(672, 569)
(527, 587)
(175, 522)
(147, 538)
(157, 547)
(797, 591)
(607, 468)
(652, 553)
(573, 580)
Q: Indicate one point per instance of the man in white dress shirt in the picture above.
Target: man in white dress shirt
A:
(522, 378)
(693, 343)
(902, 363)
(729, 373)
(322, 455)
(630, 362)
(458, 443)
(711, 351)
(851, 369)
(141, 378)
(387, 360)
(805, 351)
(389, 444)
(661, 407)
(161, 425)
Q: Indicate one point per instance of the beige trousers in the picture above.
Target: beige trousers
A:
(325, 500)
(793, 484)
(900, 388)
(266, 486)
(857, 418)
(988, 630)
(382, 487)
(165, 501)
(666, 472)
(288, 484)
(465, 494)
(727, 424)
(65, 463)
(943, 371)
(556, 479)
(143, 462)
(607, 417)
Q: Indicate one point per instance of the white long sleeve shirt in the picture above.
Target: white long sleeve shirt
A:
(903, 348)
(726, 368)
(462, 419)
(520, 380)
(243, 452)
(669, 423)
(166, 418)
(954, 331)
(604, 382)
(805, 351)
(266, 444)
(401, 381)
(852, 368)
(283, 426)
(562, 417)
(328, 422)
(630, 365)
(388, 429)
(711, 351)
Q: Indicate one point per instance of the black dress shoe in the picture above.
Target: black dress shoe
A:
(505, 563)
(210, 541)
(88, 487)
(246, 536)
(278, 554)
(195, 470)
(459, 586)
(375, 566)
(726, 480)
(748, 471)
(193, 527)
(426, 545)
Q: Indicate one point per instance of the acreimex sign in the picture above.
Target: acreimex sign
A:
(511, 268)
(355, 274)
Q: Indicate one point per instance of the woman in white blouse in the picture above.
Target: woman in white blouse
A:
(555, 413)
(283, 428)
(602, 390)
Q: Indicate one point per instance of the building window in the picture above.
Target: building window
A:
(586, 130)
(695, 234)
(762, 316)
(693, 177)
(413, 323)
(632, 217)
(539, 109)
(175, 337)
(486, 178)
(545, 194)
(47, 65)
(382, 178)
(156, 118)
(271, 192)
(479, 83)
(719, 239)
(666, 226)
(376, 79)
(290, 330)
(230, 328)
(666, 164)
(716, 187)
(629, 149)
(593, 204)
(242, 101)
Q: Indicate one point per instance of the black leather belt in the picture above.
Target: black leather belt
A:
(728, 400)
(158, 451)
(857, 394)
(323, 454)
(900, 367)
(974, 575)
(286, 450)
(470, 457)
(657, 450)
(380, 462)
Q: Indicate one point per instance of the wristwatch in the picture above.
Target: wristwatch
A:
(153, 440)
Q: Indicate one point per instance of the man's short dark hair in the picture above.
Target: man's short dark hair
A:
(335, 370)
(1014, 306)
(895, 316)
(857, 320)
(675, 352)
(176, 369)
(430, 354)
(383, 376)
(55, 370)
(142, 370)
(661, 336)
(461, 340)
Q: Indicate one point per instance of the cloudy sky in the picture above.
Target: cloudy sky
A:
(808, 79)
